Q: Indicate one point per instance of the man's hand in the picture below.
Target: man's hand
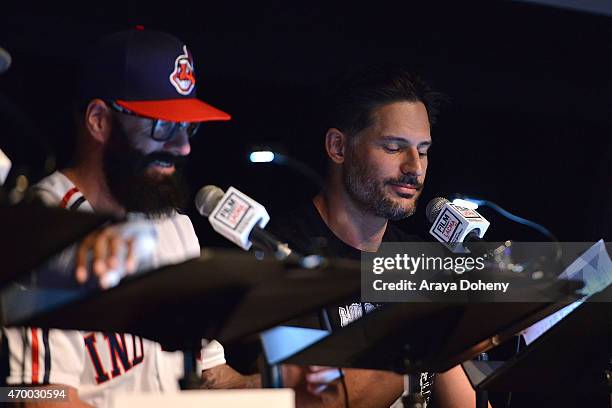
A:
(320, 387)
(104, 245)
(225, 377)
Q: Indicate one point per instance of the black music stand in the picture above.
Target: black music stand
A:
(224, 294)
(574, 354)
(197, 299)
(411, 338)
(433, 336)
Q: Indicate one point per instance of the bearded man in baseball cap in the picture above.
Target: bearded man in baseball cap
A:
(137, 111)
(138, 97)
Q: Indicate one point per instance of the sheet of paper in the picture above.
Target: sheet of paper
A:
(282, 342)
(594, 268)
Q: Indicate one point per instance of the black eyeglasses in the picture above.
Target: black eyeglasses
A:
(161, 130)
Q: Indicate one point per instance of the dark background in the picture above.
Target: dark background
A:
(528, 126)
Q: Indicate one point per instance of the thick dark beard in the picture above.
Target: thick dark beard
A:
(125, 171)
(368, 192)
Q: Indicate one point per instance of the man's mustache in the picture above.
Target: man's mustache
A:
(406, 179)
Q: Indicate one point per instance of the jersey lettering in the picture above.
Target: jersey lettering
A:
(137, 357)
(90, 344)
(352, 312)
(118, 352)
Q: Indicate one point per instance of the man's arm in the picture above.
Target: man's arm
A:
(365, 388)
(379, 389)
(452, 389)
(225, 377)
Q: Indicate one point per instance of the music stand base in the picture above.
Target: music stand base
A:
(271, 376)
(191, 379)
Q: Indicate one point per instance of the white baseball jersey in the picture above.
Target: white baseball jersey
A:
(99, 363)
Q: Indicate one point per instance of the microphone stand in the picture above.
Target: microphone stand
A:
(482, 396)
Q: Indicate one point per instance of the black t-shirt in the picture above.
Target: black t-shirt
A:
(306, 232)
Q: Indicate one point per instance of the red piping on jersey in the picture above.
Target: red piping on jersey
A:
(67, 196)
(34, 355)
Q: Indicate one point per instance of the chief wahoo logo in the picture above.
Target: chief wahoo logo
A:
(183, 78)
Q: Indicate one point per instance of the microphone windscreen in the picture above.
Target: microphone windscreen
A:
(207, 199)
(434, 207)
(5, 60)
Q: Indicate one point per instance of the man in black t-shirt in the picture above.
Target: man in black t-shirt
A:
(377, 141)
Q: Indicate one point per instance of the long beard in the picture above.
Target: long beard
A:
(135, 190)
(368, 192)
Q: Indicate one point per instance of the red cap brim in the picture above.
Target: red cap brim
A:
(176, 110)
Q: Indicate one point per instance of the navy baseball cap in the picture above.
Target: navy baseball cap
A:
(148, 72)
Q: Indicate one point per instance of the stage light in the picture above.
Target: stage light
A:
(263, 156)
(258, 155)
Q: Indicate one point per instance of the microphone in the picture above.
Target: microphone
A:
(455, 224)
(5, 60)
(5, 166)
(240, 219)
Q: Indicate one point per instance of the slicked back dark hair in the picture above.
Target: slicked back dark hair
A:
(353, 96)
